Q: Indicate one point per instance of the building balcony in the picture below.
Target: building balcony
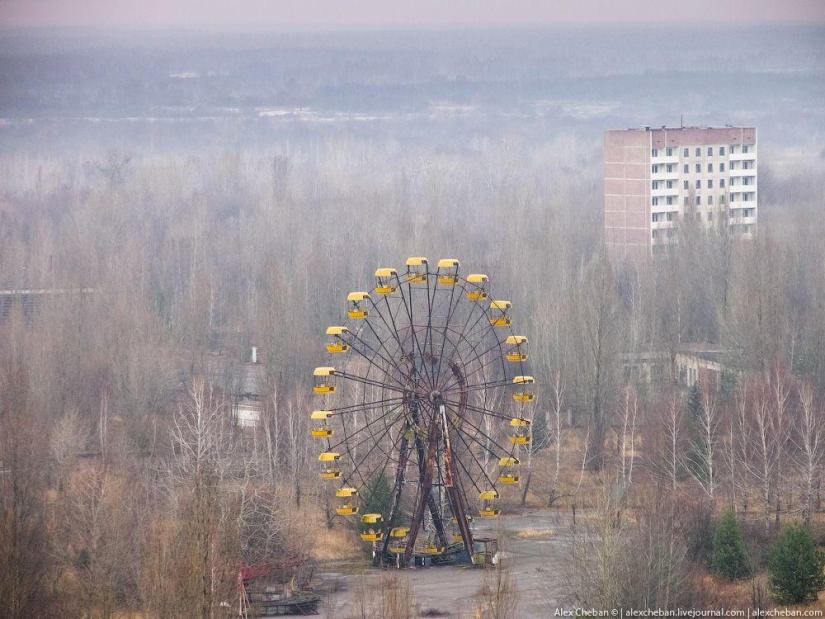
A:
(664, 159)
(740, 156)
(742, 172)
(665, 192)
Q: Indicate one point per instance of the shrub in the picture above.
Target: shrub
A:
(796, 567)
(729, 557)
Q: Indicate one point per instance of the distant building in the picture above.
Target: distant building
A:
(654, 178)
(248, 392)
(693, 364)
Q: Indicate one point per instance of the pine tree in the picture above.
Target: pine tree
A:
(796, 567)
(729, 557)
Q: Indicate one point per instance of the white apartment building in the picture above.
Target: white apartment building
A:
(657, 178)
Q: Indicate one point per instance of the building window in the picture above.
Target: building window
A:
(669, 167)
(654, 233)
(686, 152)
(710, 151)
(710, 216)
(746, 212)
(710, 200)
(710, 183)
(655, 217)
(698, 152)
(655, 201)
(745, 149)
(670, 184)
(669, 200)
(686, 168)
(655, 169)
(655, 184)
(721, 151)
(686, 201)
(698, 168)
(669, 152)
(733, 197)
(733, 149)
(670, 216)
(670, 233)
(710, 168)
(722, 199)
(721, 167)
(685, 185)
(698, 200)
(655, 152)
(721, 183)
(698, 184)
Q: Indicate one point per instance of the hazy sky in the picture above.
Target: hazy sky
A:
(300, 14)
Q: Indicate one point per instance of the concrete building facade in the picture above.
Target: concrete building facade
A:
(656, 178)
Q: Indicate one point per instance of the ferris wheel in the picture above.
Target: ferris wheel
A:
(423, 409)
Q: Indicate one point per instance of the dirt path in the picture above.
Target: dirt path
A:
(536, 541)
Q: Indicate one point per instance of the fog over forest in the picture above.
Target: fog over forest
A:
(178, 197)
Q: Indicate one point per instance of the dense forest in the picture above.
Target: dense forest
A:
(126, 485)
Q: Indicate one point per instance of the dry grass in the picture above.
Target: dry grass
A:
(535, 534)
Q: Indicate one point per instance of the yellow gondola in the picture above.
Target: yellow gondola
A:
(357, 303)
(348, 508)
(517, 350)
(336, 344)
(477, 288)
(490, 504)
(431, 548)
(448, 271)
(498, 313)
(323, 429)
(329, 465)
(524, 391)
(371, 518)
(323, 380)
(509, 471)
(456, 530)
(371, 535)
(521, 431)
(398, 540)
(386, 281)
(417, 270)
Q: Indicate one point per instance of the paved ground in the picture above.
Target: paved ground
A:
(537, 556)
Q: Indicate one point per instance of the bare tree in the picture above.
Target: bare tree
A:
(810, 443)
(704, 455)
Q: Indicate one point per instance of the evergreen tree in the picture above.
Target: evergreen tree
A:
(796, 567)
(729, 557)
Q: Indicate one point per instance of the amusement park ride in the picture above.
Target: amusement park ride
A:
(427, 385)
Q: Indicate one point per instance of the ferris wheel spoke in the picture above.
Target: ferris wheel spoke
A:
(390, 329)
(368, 381)
(478, 386)
(387, 416)
(371, 360)
(463, 334)
(482, 471)
(387, 359)
(476, 357)
(478, 409)
(480, 431)
(343, 410)
(413, 333)
(451, 307)
(360, 465)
